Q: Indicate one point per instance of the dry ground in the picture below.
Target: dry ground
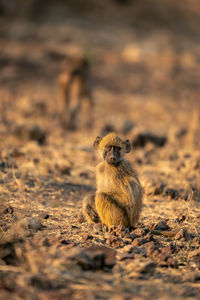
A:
(144, 80)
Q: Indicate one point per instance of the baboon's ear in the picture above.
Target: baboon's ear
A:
(97, 141)
(127, 146)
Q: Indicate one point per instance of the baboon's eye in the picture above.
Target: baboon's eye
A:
(116, 148)
(108, 148)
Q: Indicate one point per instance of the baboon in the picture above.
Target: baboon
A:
(75, 92)
(118, 199)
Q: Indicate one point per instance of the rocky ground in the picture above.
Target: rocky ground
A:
(145, 84)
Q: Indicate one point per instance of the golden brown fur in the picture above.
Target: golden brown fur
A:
(123, 200)
(118, 199)
(88, 209)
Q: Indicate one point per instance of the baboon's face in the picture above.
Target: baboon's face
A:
(111, 148)
(112, 154)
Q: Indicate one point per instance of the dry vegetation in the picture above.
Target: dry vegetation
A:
(145, 82)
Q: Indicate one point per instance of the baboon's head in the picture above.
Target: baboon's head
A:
(111, 148)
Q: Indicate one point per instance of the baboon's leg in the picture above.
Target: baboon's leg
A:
(69, 113)
(64, 86)
(89, 210)
(70, 119)
(74, 106)
(88, 103)
(110, 211)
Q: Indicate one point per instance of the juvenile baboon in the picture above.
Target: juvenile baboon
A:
(118, 199)
(75, 92)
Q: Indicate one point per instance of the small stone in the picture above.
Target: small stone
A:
(87, 237)
(162, 225)
(139, 241)
(4, 165)
(147, 267)
(147, 137)
(182, 234)
(173, 157)
(173, 247)
(46, 242)
(136, 242)
(124, 256)
(65, 170)
(172, 263)
(181, 133)
(37, 134)
(141, 231)
(65, 242)
(171, 193)
(91, 258)
(84, 175)
(164, 258)
(114, 241)
(46, 216)
(196, 277)
(36, 160)
(180, 219)
(150, 247)
(134, 249)
(195, 255)
(31, 132)
(127, 248)
(9, 210)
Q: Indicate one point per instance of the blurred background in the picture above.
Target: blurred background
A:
(143, 59)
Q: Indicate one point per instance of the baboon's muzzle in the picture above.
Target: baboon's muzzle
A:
(112, 158)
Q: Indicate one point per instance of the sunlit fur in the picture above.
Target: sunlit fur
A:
(88, 209)
(110, 139)
(118, 199)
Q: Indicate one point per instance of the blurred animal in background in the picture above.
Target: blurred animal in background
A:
(75, 95)
(118, 199)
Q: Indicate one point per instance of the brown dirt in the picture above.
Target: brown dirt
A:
(144, 79)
